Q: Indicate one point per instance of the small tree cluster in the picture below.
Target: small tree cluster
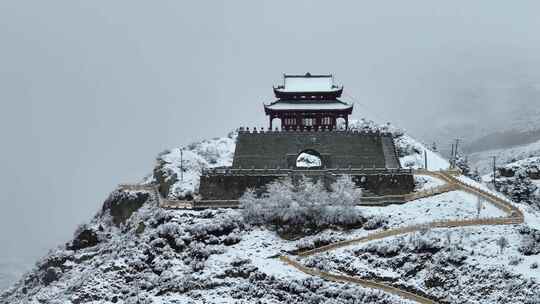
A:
(304, 206)
(462, 162)
(519, 188)
(530, 241)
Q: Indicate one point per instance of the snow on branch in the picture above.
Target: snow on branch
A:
(304, 206)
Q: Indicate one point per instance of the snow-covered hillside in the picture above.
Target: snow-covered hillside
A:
(174, 183)
(132, 251)
(483, 161)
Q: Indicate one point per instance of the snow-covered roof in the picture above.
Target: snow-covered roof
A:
(308, 105)
(308, 83)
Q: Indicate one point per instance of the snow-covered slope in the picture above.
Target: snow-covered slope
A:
(410, 150)
(217, 152)
(483, 161)
(132, 251)
(413, 155)
(161, 256)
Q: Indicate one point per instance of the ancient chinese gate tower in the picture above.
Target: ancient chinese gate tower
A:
(308, 102)
(309, 108)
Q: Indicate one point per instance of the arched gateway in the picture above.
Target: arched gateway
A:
(309, 159)
(308, 107)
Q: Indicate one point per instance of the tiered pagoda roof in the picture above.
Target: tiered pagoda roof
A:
(311, 93)
(308, 86)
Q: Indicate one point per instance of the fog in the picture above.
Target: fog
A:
(92, 91)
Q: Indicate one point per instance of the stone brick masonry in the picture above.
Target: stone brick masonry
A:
(265, 156)
(338, 149)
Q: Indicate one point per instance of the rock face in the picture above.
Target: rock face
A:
(178, 257)
(132, 251)
(121, 205)
(165, 178)
(86, 238)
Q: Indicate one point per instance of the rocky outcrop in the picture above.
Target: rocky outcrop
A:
(165, 178)
(84, 239)
(122, 204)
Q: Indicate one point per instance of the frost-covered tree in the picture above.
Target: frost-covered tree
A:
(519, 187)
(462, 162)
(475, 175)
(343, 200)
(250, 208)
(530, 241)
(502, 242)
(304, 205)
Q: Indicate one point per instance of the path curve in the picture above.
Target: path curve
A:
(513, 216)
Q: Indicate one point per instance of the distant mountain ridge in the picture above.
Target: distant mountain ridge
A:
(504, 139)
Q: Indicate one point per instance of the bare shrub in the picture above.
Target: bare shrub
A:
(304, 206)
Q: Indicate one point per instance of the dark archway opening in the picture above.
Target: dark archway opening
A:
(309, 159)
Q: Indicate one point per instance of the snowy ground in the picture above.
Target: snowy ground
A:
(225, 262)
(449, 263)
(450, 205)
(181, 256)
(426, 182)
(182, 167)
(415, 157)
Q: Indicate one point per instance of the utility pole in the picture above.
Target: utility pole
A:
(456, 150)
(182, 164)
(452, 157)
(494, 171)
(425, 160)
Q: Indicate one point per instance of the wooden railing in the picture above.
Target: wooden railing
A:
(513, 216)
(348, 279)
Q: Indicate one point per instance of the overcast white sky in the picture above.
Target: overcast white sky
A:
(91, 91)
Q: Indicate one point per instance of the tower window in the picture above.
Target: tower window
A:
(308, 122)
(290, 121)
(327, 120)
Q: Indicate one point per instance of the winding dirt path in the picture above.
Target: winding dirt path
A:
(513, 216)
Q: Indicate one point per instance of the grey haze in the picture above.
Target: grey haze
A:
(91, 91)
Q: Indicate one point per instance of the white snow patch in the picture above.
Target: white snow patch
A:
(450, 205)
(415, 159)
(483, 161)
(426, 182)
